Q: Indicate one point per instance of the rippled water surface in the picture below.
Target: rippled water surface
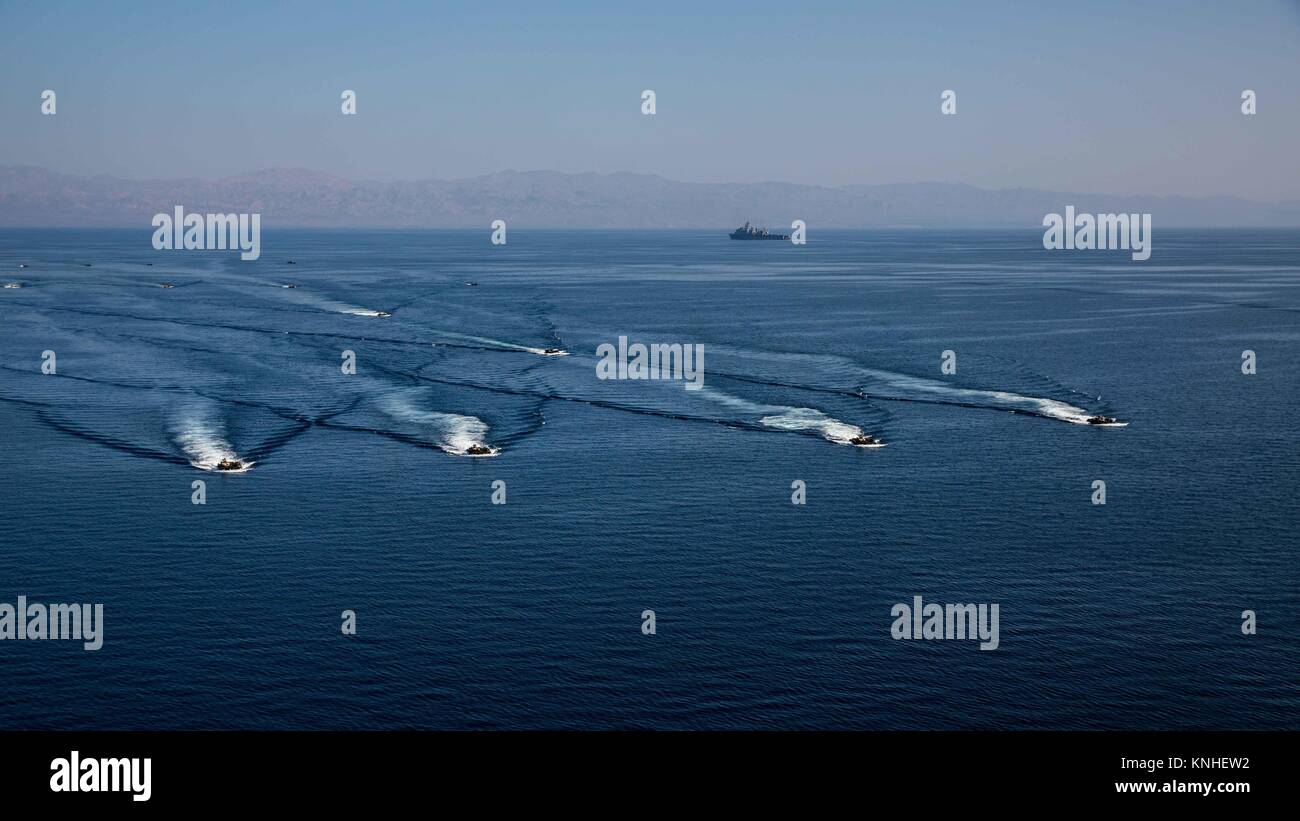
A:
(623, 496)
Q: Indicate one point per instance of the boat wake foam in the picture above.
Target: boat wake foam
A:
(500, 343)
(832, 430)
(797, 420)
(457, 434)
(305, 297)
(921, 389)
(202, 438)
(1039, 406)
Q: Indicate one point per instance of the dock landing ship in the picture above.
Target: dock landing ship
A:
(748, 231)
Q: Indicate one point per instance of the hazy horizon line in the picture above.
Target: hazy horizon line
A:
(254, 174)
(416, 229)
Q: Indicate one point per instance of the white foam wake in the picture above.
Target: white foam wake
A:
(783, 417)
(500, 343)
(201, 435)
(833, 430)
(1052, 408)
(305, 297)
(344, 308)
(302, 296)
(456, 433)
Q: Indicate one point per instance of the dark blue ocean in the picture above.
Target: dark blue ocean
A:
(625, 496)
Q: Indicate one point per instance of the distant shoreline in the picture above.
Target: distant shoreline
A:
(35, 197)
(718, 230)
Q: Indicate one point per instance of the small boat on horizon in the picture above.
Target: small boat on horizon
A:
(748, 231)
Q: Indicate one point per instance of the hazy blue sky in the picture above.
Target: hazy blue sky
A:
(1121, 97)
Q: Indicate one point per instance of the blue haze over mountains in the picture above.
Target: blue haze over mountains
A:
(35, 197)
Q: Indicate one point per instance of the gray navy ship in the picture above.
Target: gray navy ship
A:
(748, 231)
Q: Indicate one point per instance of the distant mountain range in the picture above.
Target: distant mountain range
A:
(35, 197)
